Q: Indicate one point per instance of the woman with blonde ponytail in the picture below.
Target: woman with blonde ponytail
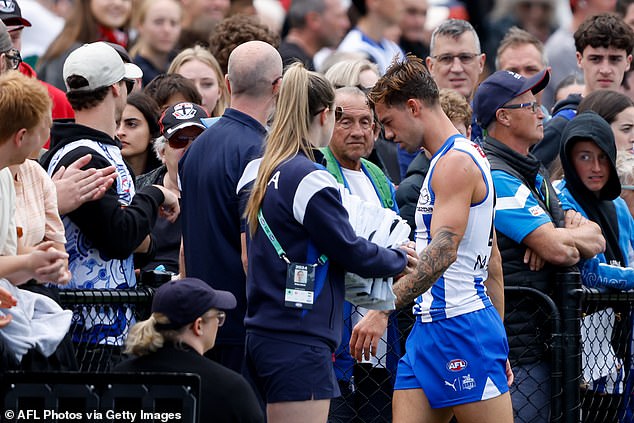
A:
(186, 316)
(301, 243)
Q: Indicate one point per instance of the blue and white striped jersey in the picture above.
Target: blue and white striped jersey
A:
(460, 289)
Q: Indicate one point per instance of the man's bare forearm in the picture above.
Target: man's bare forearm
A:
(432, 263)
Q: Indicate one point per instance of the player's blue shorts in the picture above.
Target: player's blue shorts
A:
(457, 360)
(288, 371)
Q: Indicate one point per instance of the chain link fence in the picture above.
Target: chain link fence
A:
(101, 320)
(571, 352)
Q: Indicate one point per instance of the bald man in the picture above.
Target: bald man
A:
(212, 220)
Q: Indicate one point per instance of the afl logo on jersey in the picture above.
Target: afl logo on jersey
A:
(457, 365)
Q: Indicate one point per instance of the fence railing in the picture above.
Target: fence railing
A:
(585, 334)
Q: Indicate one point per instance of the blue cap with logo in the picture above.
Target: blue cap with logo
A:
(500, 88)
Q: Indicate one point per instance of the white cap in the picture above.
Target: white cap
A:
(100, 65)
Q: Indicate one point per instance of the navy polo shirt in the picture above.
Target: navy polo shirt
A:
(211, 212)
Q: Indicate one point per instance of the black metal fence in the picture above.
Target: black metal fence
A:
(575, 366)
(101, 319)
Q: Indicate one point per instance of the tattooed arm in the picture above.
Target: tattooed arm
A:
(457, 183)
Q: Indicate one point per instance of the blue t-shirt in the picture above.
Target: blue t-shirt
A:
(211, 211)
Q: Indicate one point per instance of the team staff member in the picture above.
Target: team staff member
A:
(293, 327)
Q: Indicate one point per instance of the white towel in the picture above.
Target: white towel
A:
(38, 322)
(384, 228)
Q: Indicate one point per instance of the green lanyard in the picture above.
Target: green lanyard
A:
(278, 248)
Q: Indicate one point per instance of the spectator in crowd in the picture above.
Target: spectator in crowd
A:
(186, 316)
(572, 84)
(363, 74)
(209, 173)
(236, 30)
(369, 35)
(300, 204)
(170, 89)
(19, 137)
(46, 22)
(560, 48)
(199, 19)
(456, 61)
(625, 9)
(370, 382)
(618, 110)
(313, 25)
(27, 101)
(180, 125)
(536, 237)
(101, 234)
(459, 113)
(521, 52)
(11, 16)
(454, 231)
(591, 186)
(414, 38)
(604, 46)
(90, 21)
(451, 40)
(625, 169)
(158, 26)
(137, 129)
(536, 17)
(199, 66)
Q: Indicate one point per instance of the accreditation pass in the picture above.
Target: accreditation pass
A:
(300, 286)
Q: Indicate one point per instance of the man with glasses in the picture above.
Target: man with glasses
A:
(535, 236)
(352, 139)
(214, 239)
(102, 234)
(455, 57)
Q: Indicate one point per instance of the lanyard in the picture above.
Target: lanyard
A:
(278, 248)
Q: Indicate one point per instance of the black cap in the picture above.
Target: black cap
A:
(11, 14)
(502, 87)
(181, 115)
(185, 300)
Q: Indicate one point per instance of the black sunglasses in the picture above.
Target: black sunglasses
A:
(181, 141)
(129, 84)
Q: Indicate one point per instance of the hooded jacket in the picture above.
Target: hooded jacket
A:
(605, 208)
